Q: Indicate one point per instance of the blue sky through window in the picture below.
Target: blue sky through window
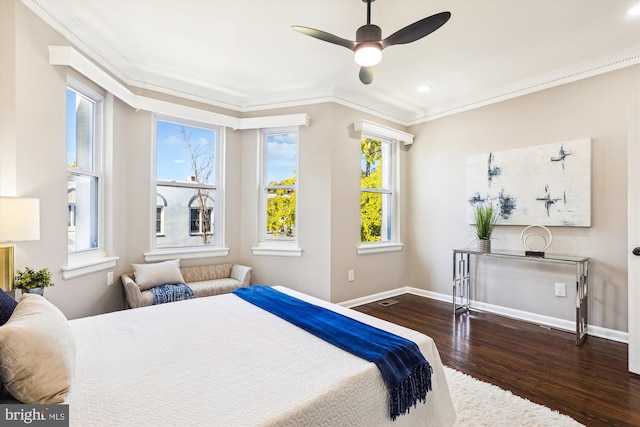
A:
(282, 156)
(173, 158)
(71, 127)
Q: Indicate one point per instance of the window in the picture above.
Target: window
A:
(187, 191)
(84, 177)
(201, 216)
(378, 194)
(161, 203)
(279, 189)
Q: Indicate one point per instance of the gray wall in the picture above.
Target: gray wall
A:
(596, 108)
(329, 212)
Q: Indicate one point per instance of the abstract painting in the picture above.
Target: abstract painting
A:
(545, 185)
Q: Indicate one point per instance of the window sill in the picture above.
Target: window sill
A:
(85, 266)
(184, 253)
(375, 248)
(277, 250)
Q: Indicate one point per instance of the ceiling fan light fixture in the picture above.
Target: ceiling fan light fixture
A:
(369, 43)
(368, 54)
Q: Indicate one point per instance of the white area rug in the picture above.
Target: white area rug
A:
(482, 404)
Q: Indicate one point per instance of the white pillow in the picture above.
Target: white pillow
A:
(37, 352)
(149, 276)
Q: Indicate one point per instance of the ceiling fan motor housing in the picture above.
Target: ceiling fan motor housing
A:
(369, 33)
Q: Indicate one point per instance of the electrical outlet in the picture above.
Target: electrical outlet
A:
(351, 275)
(110, 278)
(560, 290)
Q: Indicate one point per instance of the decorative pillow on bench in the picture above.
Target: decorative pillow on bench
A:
(149, 276)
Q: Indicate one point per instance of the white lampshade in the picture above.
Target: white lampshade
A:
(19, 219)
(368, 55)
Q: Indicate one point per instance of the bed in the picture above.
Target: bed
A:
(221, 361)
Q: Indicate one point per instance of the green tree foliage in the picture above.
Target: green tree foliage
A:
(281, 208)
(370, 203)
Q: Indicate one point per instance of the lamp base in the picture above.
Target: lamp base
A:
(6, 268)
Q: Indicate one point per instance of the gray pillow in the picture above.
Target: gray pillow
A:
(149, 276)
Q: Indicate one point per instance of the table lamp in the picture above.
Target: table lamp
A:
(19, 221)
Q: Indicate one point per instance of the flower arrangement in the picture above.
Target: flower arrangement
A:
(31, 279)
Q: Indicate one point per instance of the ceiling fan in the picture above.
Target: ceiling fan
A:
(369, 43)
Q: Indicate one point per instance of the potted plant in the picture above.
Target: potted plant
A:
(486, 218)
(31, 281)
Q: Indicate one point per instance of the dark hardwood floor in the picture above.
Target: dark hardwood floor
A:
(589, 383)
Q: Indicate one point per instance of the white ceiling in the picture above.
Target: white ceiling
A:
(243, 54)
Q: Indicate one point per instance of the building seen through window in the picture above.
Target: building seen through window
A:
(186, 184)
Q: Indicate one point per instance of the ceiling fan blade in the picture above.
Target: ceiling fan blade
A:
(367, 74)
(417, 30)
(327, 37)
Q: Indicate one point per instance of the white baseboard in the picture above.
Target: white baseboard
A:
(376, 297)
(547, 321)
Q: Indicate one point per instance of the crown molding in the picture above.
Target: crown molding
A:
(241, 104)
(601, 65)
(68, 56)
(616, 61)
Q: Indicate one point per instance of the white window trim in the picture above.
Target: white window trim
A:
(84, 265)
(268, 247)
(190, 252)
(81, 263)
(378, 247)
(382, 131)
(273, 249)
(368, 129)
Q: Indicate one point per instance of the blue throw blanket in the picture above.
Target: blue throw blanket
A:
(171, 293)
(404, 369)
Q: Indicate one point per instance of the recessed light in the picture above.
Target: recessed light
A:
(635, 10)
(423, 89)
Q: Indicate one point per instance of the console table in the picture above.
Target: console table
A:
(462, 280)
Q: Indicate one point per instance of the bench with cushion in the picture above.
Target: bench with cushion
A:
(205, 280)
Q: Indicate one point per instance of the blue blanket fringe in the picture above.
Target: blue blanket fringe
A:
(406, 372)
(171, 293)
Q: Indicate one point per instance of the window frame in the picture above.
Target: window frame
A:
(216, 247)
(86, 261)
(265, 245)
(391, 188)
(96, 171)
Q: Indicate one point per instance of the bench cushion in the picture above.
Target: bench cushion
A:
(206, 272)
(208, 288)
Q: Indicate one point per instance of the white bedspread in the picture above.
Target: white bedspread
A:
(220, 361)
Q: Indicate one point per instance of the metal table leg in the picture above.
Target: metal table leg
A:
(582, 295)
(461, 282)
